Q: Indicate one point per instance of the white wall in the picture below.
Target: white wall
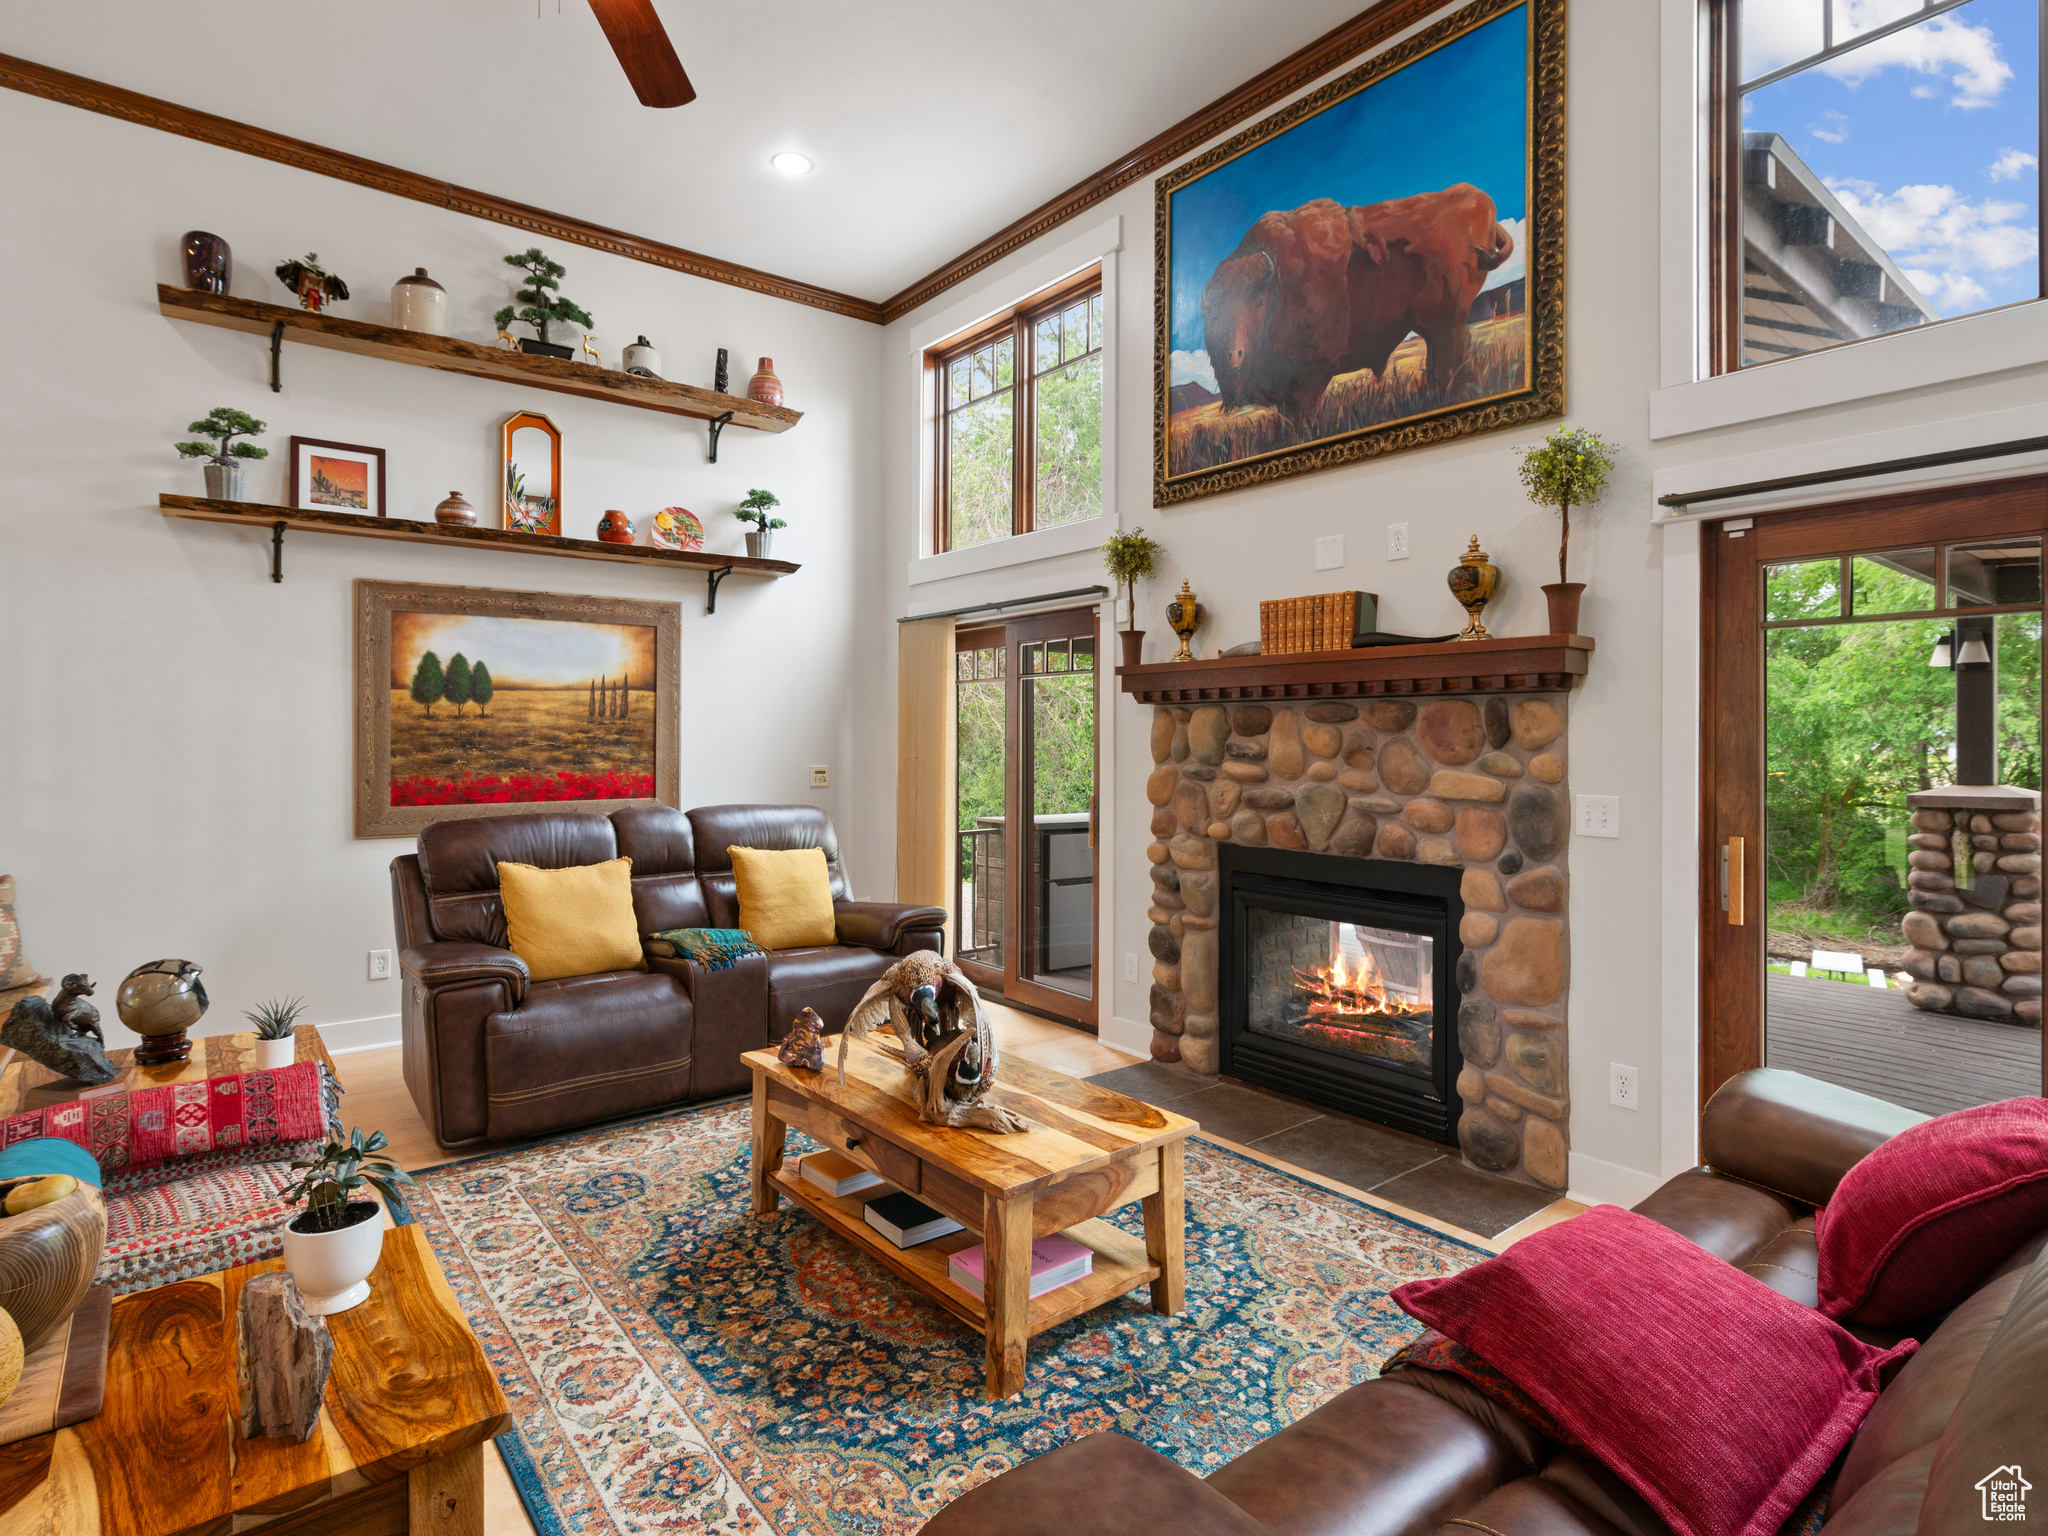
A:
(175, 731)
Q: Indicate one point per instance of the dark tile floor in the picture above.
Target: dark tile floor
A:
(1406, 1170)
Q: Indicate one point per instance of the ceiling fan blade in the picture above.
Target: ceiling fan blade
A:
(644, 51)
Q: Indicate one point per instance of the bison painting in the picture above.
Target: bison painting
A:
(1323, 290)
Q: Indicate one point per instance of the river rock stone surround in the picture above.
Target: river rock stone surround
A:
(1476, 784)
(1975, 932)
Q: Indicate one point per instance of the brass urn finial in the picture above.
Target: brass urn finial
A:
(1472, 581)
(1186, 615)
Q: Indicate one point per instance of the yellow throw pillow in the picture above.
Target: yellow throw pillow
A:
(785, 896)
(571, 922)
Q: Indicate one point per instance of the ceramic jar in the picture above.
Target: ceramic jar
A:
(615, 528)
(209, 264)
(456, 509)
(764, 388)
(418, 303)
(333, 1268)
(643, 359)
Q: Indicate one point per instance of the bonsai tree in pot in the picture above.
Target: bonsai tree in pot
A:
(331, 1246)
(275, 1044)
(755, 510)
(543, 308)
(224, 456)
(1131, 558)
(1569, 466)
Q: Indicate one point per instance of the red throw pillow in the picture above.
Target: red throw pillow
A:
(1917, 1225)
(1718, 1400)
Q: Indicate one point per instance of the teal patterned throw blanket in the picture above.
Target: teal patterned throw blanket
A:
(713, 948)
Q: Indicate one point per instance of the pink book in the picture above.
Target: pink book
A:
(1056, 1260)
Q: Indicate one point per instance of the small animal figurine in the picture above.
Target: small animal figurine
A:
(508, 341)
(948, 1043)
(591, 352)
(313, 283)
(804, 1046)
(64, 1036)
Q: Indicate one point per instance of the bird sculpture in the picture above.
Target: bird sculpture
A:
(949, 1046)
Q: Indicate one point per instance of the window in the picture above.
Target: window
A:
(1876, 168)
(1019, 422)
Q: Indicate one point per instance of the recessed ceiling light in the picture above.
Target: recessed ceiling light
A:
(791, 164)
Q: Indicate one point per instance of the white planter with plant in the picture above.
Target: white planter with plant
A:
(1569, 466)
(755, 510)
(224, 456)
(1131, 558)
(276, 1045)
(332, 1246)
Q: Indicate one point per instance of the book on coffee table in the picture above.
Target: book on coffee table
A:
(1056, 1260)
(836, 1173)
(907, 1221)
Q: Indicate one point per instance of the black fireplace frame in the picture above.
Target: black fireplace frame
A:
(1424, 1105)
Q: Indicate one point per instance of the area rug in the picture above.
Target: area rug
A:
(675, 1364)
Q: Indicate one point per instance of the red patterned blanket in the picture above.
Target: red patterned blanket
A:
(179, 1120)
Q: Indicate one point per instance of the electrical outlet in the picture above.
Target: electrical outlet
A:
(1397, 541)
(1621, 1087)
(821, 776)
(1130, 967)
(380, 965)
(1330, 553)
(1599, 816)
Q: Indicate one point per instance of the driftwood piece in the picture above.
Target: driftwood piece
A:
(63, 1036)
(282, 1360)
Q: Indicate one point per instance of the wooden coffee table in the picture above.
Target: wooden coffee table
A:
(1087, 1151)
(400, 1445)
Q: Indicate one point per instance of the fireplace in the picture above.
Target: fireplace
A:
(1337, 983)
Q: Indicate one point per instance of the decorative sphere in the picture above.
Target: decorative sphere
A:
(161, 998)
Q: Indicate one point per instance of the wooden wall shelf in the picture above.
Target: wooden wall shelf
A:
(454, 355)
(276, 520)
(1522, 664)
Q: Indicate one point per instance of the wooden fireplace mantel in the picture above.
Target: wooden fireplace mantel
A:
(1521, 664)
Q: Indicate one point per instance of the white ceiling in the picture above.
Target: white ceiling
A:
(933, 124)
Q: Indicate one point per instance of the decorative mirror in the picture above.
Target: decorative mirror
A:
(531, 482)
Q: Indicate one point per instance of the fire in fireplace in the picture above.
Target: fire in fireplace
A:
(1331, 970)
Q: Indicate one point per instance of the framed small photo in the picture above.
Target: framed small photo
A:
(337, 477)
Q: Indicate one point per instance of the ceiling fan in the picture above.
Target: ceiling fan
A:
(645, 53)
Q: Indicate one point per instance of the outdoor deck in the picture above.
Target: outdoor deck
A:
(1876, 1042)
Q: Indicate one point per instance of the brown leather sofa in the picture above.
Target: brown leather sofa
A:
(491, 1055)
(1415, 1452)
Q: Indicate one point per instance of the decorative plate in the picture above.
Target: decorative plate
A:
(677, 528)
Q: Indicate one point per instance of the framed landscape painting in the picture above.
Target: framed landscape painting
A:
(1375, 267)
(476, 702)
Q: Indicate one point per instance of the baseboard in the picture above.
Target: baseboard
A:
(361, 1034)
(1128, 1035)
(1595, 1181)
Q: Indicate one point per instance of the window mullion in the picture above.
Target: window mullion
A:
(1022, 403)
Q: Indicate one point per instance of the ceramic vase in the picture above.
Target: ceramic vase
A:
(1133, 642)
(615, 528)
(275, 1055)
(456, 509)
(418, 303)
(1472, 581)
(1563, 598)
(209, 264)
(764, 388)
(643, 359)
(224, 479)
(333, 1268)
(758, 542)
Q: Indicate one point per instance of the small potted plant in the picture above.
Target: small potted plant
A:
(1131, 558)
(224, 456)
(1568, 467)
(543, 308)
(332, 1245)
(276, 1046)
(755, 510)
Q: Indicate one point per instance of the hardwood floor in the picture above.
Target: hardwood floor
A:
(376, 1099)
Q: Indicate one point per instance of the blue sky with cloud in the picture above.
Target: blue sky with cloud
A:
(1458, 114)
(1928, 137)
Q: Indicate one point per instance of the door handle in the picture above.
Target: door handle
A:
(1091, 821)
(1732, 882)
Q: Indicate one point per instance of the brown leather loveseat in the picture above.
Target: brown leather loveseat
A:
(492, 1055)
(1416, 1452)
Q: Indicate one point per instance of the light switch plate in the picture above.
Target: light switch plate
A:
(1397, 541)
(821, 776)
(1330, 553)
(1622, 1088)
(1599, 816)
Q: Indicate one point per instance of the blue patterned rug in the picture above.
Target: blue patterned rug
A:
(675, 1364)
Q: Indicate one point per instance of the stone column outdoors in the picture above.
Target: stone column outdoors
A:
(1975, 888)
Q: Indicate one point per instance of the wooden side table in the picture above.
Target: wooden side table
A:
(399, 1448)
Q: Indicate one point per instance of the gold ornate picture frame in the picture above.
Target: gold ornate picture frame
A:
(1376, 267)
(472, 701)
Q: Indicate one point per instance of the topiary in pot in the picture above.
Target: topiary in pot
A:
(754, 509)
(542, 308)
(224, 456)
(1569, 466)
(1131, 558)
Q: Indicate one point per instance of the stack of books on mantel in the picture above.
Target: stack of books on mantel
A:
(1324, 621)
(1056, 1260)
